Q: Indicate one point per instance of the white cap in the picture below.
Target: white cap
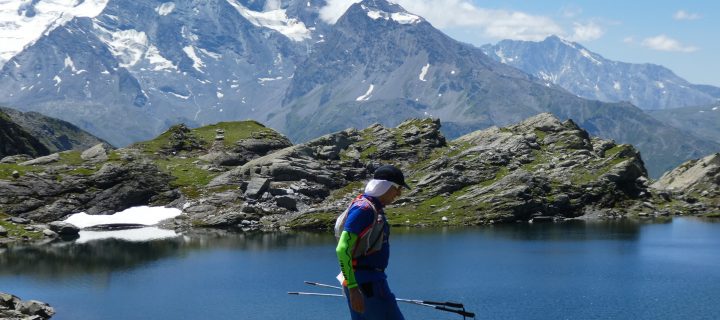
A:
(376, 188)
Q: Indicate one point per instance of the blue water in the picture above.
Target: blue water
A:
(541, 271)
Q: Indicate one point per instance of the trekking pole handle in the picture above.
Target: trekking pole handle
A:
(460, 312)
(447, 304)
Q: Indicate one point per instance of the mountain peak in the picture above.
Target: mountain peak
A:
(555, 39)
(386, 10)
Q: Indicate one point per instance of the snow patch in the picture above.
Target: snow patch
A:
(589, 56)
(157, 60)
(714, 109)
(219, 95)
(179, 96)
(136, 215)
(367, 94)
(423, 72)
(660, 84)
(197, 62)
(616, 85)
(568, 43)
(213, 55)
(70, 63)
(274, 18)
(399, 17)
(549, 77)
(129, 46)
(19, 29)
(502, 56)
(165, 8)
(131, 235)
(57, 80)
(263, 80)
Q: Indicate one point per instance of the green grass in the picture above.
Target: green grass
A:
(431, 211)
(540, 135)
(501, 173)
(614, 150)
(368, 152)
(186, 173)
(234, 131)
(315, 221)
(71, 158)
(17, 231)
(6, 170)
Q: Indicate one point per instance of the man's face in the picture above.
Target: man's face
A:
(395, 192)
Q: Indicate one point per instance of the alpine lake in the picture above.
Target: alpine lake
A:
(569, 270)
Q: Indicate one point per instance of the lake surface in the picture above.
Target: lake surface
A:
(615, 270)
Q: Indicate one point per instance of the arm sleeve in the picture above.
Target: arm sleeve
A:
(344, 253)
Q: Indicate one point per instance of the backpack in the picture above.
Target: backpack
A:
(371, 239)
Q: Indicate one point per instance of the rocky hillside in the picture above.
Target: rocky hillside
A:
(701, 121)
(694, 186)
(244, 175)
(133, 68)
(15, 140)
(57, 135)
(102, 181)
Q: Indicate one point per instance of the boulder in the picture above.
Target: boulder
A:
(286, 202)
(55, 157)
(63, 228)
(256, 187)
(18, 220)
(3, 232)
(12, 307)
(36, 308)
(97, 153)
(16, 158)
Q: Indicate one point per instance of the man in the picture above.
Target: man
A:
(364, 250)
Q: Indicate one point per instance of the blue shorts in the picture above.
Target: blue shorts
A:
(380, 303)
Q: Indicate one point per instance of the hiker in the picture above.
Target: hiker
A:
(363, 248)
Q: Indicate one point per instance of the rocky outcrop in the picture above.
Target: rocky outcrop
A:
(16, 140)
(693, 187)
(539, 169)
(12, 307)
(64, 189)
(98, 153)
(279, 186)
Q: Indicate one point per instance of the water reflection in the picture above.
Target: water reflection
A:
(108, 255)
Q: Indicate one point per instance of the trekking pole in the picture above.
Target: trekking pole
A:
(446, 304)
(459, 308)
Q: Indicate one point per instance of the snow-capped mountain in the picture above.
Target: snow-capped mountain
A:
(140, 66)
(25, 21)
(372, 69)
(589, 75)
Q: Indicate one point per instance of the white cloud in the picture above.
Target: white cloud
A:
(665, 43)
(586, 32)
(684, 15)
(498, 24)
(571, 11)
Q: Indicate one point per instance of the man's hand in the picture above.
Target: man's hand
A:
(357, 301)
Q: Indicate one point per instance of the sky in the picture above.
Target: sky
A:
(683, 36)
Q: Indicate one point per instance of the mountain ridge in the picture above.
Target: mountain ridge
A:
(590, 75)
(143, 68)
